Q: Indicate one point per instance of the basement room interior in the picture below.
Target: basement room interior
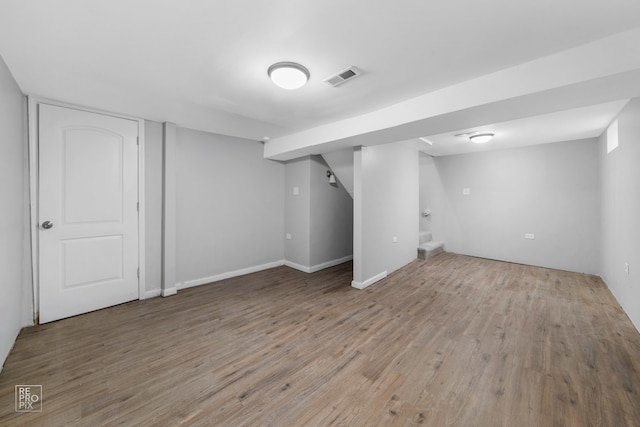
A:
(351, 214)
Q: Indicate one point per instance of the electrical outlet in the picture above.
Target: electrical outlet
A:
(395, 239)
(626, 267)
(288, 236)
(466, 191)
(530, 236)
(296, 191)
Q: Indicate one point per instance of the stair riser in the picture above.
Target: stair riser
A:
(428, 253)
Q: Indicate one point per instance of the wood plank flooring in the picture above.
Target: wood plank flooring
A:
(452, 341)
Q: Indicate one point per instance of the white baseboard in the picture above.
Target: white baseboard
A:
(370, 281)
(318, 267)
(297, 266)
(152, 293)
(228, 275)
(331, 263)
(242, 272)
(169, 291)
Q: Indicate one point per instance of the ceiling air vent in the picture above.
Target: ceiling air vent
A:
(342, 76)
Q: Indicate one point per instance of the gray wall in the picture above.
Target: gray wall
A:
(620, 183)
(319, 218)
(297, 211)
(230, 205)
(321, 228)
(331, 216)
(153, 205)
(386, 195)
(551, 191)
(341, 163)
(14, 247)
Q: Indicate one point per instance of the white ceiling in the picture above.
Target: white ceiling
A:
(567, 125)
(202, 63)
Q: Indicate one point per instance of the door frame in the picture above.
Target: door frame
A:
(33, 123)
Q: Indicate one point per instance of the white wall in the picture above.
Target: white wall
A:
(620, 183)
(230, 206)
(297, 212)
(386, 196)
(331, 217)
(14, 247)
(550, 190)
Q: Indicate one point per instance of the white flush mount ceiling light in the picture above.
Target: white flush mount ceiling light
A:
(288, 75)
(481, 138)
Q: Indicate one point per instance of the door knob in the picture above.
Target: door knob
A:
(47, 225)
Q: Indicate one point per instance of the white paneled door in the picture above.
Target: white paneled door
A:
(88, 211)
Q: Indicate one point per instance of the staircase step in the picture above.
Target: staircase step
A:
(429, 249)
(425, 236)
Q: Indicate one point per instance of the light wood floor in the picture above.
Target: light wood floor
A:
(452, 341)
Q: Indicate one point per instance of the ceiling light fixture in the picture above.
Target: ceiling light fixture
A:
(288, 75)
(481, 138)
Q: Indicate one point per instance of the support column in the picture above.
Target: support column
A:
(169, 284)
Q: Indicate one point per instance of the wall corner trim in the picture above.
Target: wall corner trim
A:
(167, 292)
(370, 281)
(169, 208)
